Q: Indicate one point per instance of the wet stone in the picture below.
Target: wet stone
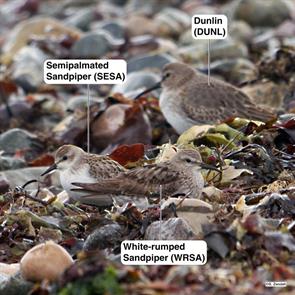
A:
(240, 30)
(156, 61)
(171, 229)
(104, 237)
(7, 163)
(92, 45)
(82, 18)
(172, 21)
(18, 139)
(112, 27)
(152, 6)
(235, 71)
(80, 102)
(220, 49)
(4, 184)
(137, 82)
(28, 64)
(15, 285)
(138, 25)
(268, 13)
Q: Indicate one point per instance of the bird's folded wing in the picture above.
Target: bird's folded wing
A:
(141, 181)
(222, 102)
(104, 167)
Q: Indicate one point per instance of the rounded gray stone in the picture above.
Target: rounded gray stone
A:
(92, 45)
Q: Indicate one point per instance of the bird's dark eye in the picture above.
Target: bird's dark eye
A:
(65, 158)
(167, 75)
(188, 160)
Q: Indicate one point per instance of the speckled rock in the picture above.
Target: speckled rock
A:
(219, 49)
(137, 82)
(18, 139)
(154, 61)
(93, 45)
(115, 28)
(137, 25)
(268, 13)
(104, 237)
(171, 229)
(172, 22)
(27, 66)
(82, 18)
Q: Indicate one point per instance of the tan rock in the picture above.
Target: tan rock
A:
(39, 26)
(195, 212)
(267, 93)
(138, 25)
(45, 261)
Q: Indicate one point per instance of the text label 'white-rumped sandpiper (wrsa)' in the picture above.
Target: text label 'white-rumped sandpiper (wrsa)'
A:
(164, 252)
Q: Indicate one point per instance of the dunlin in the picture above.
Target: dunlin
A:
(75, 165)
(187, 99)
(179, 176)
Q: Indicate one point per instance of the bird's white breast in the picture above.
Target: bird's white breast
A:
(199, 178)
(68, 176)
(173, 113)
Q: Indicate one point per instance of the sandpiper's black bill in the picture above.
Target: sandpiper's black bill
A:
(156, 86)
(51, 168)
(209, 167)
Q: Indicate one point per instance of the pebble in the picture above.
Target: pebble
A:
(149, 61)
(80, 102)
(27, 66)
(45, 261)
(93, 45)
(9, 269)
(195, 212)
(241, 31)
(192, 7)
(268, 13)
(219, 49)
(82, 18)
(115, 28)
(14, 285)
(151, 6)
(172, 22)
(104, 237)
(171, 229)
(19, 36)
(20, 176)
(18, 139)
(267, 93)
(8, 163)
(4, 184)
(138, 25)
(137, 82)
(121, 124)
(22, 111)
(235, 70)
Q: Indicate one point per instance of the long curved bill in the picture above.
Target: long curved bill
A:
(209, 167)
(51, 168)
(156, 86)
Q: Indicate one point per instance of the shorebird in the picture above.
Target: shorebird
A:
(75, 165)
(179, 176)
(187, 99)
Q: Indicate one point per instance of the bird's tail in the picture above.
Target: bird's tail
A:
(263, 114)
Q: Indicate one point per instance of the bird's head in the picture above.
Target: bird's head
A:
(190, 159)
(65, 156)
(174, 75)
